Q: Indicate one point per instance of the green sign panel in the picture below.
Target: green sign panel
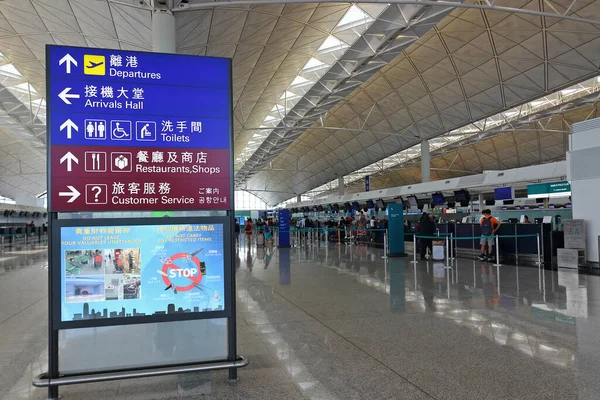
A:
(550, 189)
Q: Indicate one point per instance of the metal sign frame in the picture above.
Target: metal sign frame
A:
(53, 378)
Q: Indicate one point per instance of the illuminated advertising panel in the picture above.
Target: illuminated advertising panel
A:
(116, 272)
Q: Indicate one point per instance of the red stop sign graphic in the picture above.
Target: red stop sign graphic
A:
(168, 265)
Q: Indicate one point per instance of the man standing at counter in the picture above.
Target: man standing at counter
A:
(489, 226)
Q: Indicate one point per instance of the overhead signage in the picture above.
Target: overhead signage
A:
(550, 189)
(138, 131)
(133, 271)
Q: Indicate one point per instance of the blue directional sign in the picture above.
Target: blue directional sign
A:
(162, 119)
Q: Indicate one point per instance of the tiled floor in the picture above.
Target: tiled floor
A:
(340, 322)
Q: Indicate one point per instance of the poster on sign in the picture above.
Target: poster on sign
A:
(112, 272)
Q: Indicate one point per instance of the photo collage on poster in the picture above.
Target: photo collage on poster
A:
(102, 274)
(141, 270)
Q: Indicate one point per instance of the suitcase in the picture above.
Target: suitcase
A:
(260, 239)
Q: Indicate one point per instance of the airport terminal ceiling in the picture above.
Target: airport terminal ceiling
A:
(388, 75)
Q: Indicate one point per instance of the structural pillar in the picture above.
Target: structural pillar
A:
(299, 198)
(481, 202)
(425, 162)
(163, 32)
(341, 186)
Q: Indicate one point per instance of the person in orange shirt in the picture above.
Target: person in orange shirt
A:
(489, 226)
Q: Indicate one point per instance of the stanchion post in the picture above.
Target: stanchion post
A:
(385, 244)
(497, 252)
(414, 249)
(539, 261)
(447, 254)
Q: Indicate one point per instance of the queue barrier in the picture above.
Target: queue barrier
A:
(449, 248)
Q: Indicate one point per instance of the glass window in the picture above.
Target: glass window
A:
(248, 201)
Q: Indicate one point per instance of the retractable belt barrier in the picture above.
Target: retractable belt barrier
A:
(450, 237)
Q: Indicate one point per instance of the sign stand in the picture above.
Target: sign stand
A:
(122, 141)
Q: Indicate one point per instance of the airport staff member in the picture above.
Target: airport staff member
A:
(489, 226)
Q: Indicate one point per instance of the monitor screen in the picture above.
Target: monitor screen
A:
(336, 207)
(503, 193)
(355, 205)
(550, 205)
(463, 197)
(370, 204)
(399, 200)
(438, 199)
(380, 203)
(348, 207)
(568, 205)
(412, 201)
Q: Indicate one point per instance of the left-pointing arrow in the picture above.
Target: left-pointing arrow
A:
(73, 194)
(69, 60)
(65, 95)
(69, 158)
(69, 125)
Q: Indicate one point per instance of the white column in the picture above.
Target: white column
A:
(481, 202)
(163, 32)
(583, 165)
(425, 162)
(341, 186)
(298, 198)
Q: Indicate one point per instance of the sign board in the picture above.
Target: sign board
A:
(138, 131)
(567, 258)
(283, 224)
(396, 229)
(551, 189)
(574, 231)
(367, 183)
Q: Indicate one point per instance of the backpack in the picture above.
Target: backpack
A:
(486, 226)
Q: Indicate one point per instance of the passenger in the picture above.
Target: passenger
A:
(362, 219)
(371, 228)
(526, 220)
(248, 230)
(427, 229)
(489, 226)
(31, 224)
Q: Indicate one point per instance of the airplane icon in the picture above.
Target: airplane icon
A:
(93, 64)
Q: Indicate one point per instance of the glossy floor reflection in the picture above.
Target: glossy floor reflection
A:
(341, 322)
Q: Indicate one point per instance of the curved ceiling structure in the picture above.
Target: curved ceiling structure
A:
(320, 89)
(474, 63)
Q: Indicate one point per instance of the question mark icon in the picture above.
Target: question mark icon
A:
(97, 190)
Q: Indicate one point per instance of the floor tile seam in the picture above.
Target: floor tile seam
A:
(25, 309)
(354, 345)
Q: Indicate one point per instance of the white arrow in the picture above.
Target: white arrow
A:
(69, 158)
(69, 125)
(69, 60)
(65, 95)
(73, 194)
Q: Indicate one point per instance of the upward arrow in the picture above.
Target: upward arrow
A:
(69, 158)
(69, 60)
(70, 125)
